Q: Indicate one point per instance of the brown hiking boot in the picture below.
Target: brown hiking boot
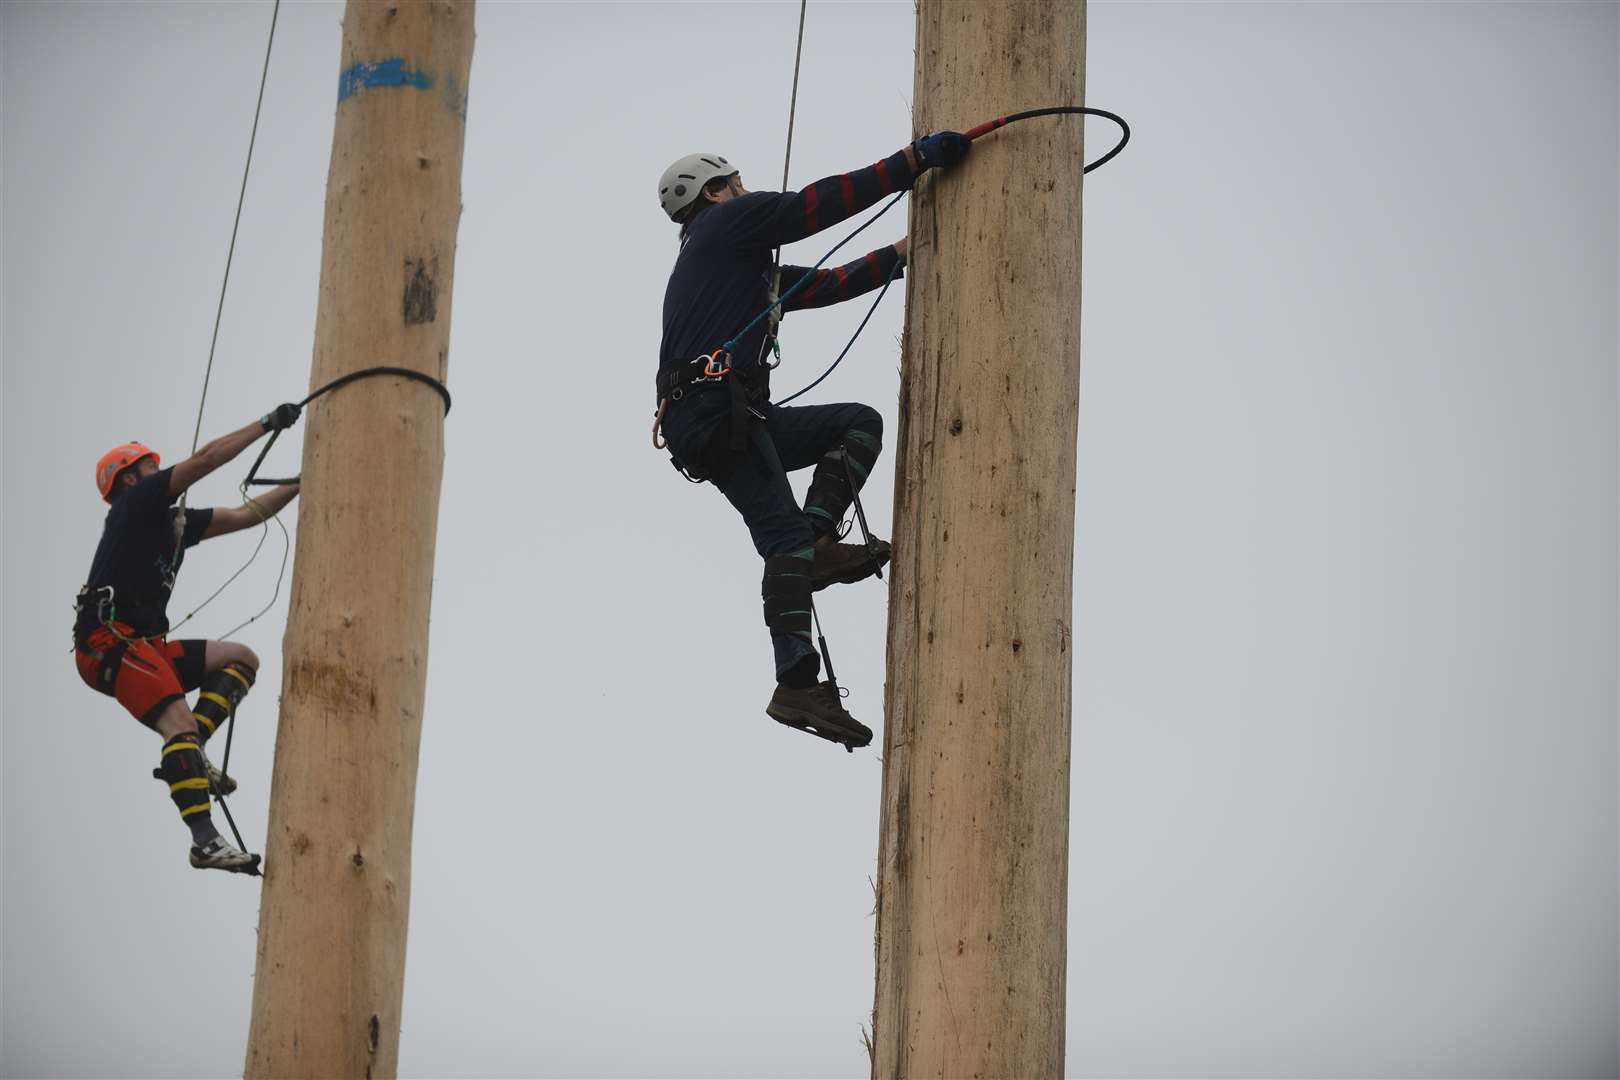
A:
(218, 783)
(840, 564)
(819, 711)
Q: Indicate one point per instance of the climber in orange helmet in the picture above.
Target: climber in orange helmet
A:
(120, 634)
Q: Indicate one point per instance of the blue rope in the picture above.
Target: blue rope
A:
(982, 129)
(730, 347)
(869, 313)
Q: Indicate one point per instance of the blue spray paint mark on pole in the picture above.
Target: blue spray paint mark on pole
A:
(389, 72)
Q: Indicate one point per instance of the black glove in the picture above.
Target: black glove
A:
(280, 418)
(941, 148)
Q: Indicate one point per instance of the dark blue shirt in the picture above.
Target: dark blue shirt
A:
(722, 276)
(138, 556)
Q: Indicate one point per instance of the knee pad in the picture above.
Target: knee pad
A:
(869, 424)
(842, 472)
(186, 773)
(864, 442)
(218, 696)
(786, 593)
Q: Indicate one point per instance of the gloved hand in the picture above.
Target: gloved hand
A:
(941, 148)
(280, 418)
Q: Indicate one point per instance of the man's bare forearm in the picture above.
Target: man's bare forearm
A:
(212, 455)
(219, 451)
(271, 502)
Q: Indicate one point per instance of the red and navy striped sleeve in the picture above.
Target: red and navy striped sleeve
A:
(793, 215)
(842, 282)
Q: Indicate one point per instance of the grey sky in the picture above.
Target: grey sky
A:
(1345, 749)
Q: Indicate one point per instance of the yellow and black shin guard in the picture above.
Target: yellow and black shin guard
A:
(186, 773)
(219, 695)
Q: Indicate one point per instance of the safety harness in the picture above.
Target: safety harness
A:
(677, 380)
(108, 662)
(102, 599)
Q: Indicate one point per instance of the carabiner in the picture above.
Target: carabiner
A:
(659, 442)
(716, 364)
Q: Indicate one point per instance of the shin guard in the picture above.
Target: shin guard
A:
(830, 493)
(186, 773)
(219, 695)
(786, 593)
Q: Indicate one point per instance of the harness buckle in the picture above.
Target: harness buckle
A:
(98, 597)
(716, 364)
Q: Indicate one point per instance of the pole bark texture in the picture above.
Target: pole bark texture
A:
(973, 854)
(332, 924)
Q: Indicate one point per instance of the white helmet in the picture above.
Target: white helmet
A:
(683, 181)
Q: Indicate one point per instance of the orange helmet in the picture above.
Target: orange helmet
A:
(116, 461)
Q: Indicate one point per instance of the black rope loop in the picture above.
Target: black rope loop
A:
(974, 133)
(364, 373)
(1061, 110)
(253, 479)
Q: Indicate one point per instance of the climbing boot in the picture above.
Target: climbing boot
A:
(218, 782)
(819, 711)
(838, 564)
(218, 854)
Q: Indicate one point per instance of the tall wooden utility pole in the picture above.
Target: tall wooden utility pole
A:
(331, 963)
(973, 874)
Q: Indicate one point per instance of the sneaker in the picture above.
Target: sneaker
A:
(841, 564)
(218, 854)
(218, 782)
(819, 711)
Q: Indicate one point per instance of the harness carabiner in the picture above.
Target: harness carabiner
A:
(659, 442)
(716, 364)
(101, 597)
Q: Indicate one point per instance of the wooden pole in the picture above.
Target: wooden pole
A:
(332, 927)
(973, 860)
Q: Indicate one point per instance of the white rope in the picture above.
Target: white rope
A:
(219, 312)
(240, 198)
(793, 102)
(787, 156)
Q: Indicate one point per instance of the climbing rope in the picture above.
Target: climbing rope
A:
(264, 519)
(973, 133)
(343, 380)
(219, 313)
(893, 272)
(793, 100)
(787, 156)
(281, 573)
(230, 726)
(1061, 110)
(230, 253)
(731, 346)
(264, 535)
(286, 547)
(776, 301)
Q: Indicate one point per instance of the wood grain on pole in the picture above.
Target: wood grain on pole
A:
(332, 925)
(973, 875)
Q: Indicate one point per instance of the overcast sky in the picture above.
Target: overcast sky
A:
(1345, 632)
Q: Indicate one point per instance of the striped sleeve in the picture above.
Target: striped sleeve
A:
(794, 215)
(845, 282)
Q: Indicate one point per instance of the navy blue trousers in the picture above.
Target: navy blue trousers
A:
(755, 482)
